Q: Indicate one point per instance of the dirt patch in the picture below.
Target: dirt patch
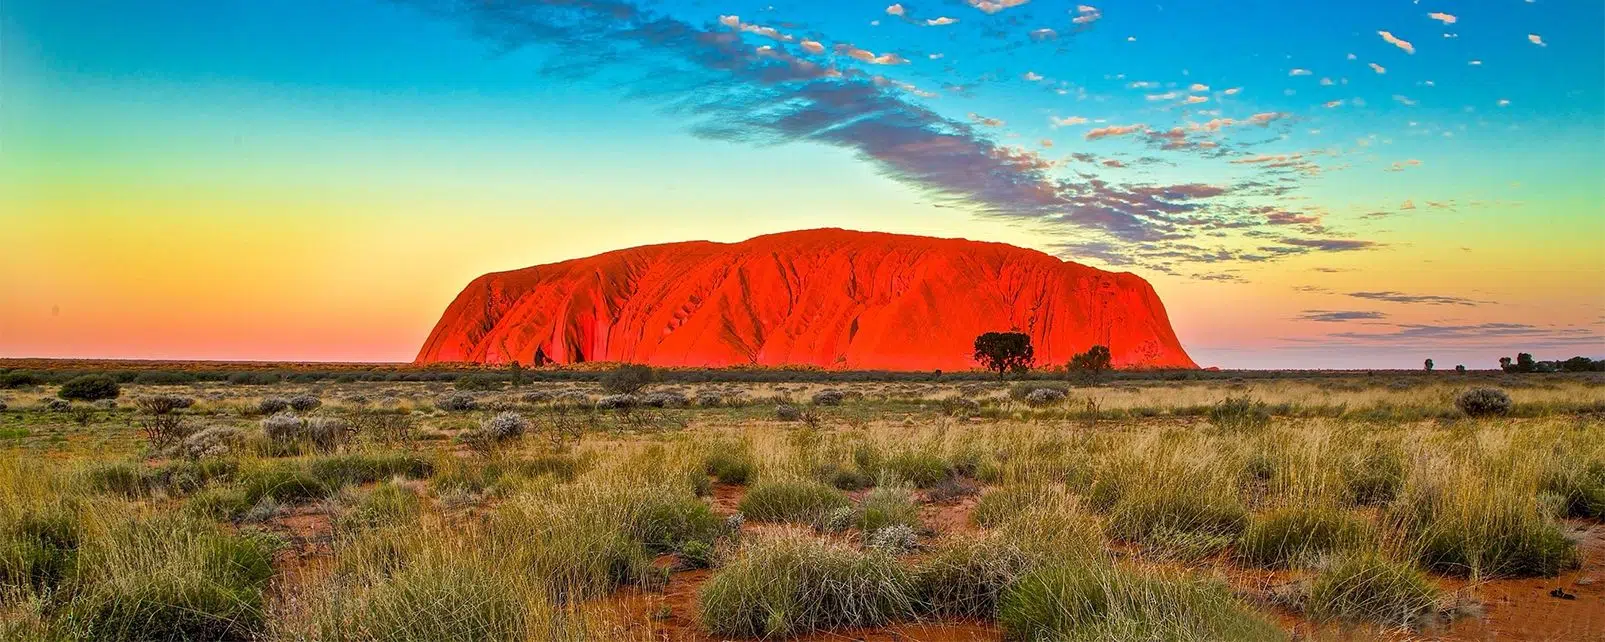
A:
(1530, 609)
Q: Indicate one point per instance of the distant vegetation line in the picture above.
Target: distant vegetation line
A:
(26, 372)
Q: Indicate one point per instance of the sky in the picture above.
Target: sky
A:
(1307, 185)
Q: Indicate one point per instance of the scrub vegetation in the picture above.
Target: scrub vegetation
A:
(192, 506)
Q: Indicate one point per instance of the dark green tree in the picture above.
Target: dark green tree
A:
(1525, 363)
(90, 388)
(1090, 365)
(1428, 365)
(1005, 352)
(1460, 369)
(516, 370)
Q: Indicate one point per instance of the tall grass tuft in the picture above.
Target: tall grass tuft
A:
(1372, 588)
(795, 583)
(1094, 601)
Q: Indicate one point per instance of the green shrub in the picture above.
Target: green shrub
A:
(790, 500)
(627, 379)
(888, 506)
(796, 584)
(170, 579)
(999, 505)
(1240, 414)
(1370, 588)
(284, 483)
(1092, 601)
(1581, 488)
(1299, 536)
(19, 380)
(90, 388)
(1484, 402)
(478, 382)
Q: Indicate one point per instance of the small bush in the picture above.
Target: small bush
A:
(505, 426)
(460, 402)
(272, 405)
(163, 404)
(283, 427)
(618, 402)
(1375, 478)
(1100, 602)
(627, 379)
(1299, 536)
(1002, 504)
(790, 500)
(1240, 414)
(796, 584)
(1483, 402)
(386, 505)
(896, 539)
(959, 407)
(1045, 397)
(282, 483)
(1178, 505)
(1370, 588)
(19, 380)
(788, 412)
(829, 398)
(90, 388)
(1484, 531)
(482, 381)
(216, 441)
(304, 403)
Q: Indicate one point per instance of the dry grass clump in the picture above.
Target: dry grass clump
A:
(790, 500)
(795, 583)
(1299, 536)
(1097, 601)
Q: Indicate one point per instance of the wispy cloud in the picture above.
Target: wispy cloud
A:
(1424, 299)
(1112, 130)
(1340, 316)
(1445, 18)
(1397, 42)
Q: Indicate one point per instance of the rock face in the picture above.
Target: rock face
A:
(829, 298)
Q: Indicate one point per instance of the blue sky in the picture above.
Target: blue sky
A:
(1276, 156)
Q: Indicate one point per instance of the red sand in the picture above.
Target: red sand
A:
(827, 298)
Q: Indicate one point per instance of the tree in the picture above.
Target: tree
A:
(1577, 364)
(1091, 364)
(1005, 352)
(628, 379)
(1504, 364)
(1524, 362)
(1428, 365)
(1460, 369)
(517, 370)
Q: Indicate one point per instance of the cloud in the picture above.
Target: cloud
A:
(1086, 15)
(1493, 334)
(1198, 86)
(1233, 91)
(1067, 121)
(1193, 100)
(1404, 100)
(1032, 76)
(1334, 103)
(1536, 39)
(864, 55)
(941, 21)
(1401, 165)
(1331, 245)
(1503, 102)
(1325, 316)
(1408, 204)
(1113, 162)
(1424, 299)
(1397, 42)
(1291, 218)
(1112, 130)
(1046, 142)
(1298, 72)
(1445, 18)
(1043, 34)
(734, 22)
(895, 10)
(812, 46)
(994, 6)
(984, 121)
(1378, 68)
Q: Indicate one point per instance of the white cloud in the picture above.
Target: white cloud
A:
(865, 55)
(812, 46)
(1068, 121)
(1198, 86)
(1536, 39)
(1445, 18)
(1086, 15)
(1032, 76)
(1233, 91)
(994, 6)
(1298, 72)
(1378, 68)
(940, 22)
(895, 10)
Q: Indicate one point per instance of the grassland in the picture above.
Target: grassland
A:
(1225, 508)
